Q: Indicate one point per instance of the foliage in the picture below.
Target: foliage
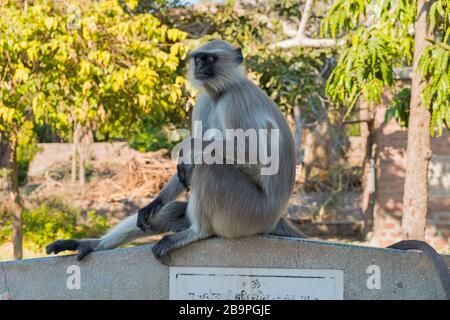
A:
(5, 225)
(291, 77)
(54, 220)
(435, 67)
(150, 136)
(157, 7)
(126, 69)
(354, 130)
(399, 108)
(91, 62)
(379, 37)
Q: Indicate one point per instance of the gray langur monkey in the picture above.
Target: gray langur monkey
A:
(226, 200)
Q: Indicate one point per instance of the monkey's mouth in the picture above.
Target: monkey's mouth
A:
(203, 75)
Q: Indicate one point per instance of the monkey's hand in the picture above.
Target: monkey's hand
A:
(72, 245)
(147, 212)
(184, 172)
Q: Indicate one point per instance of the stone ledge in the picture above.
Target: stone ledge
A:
(133, 273)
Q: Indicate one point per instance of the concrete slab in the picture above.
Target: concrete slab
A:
(119, 274)
(133, 273)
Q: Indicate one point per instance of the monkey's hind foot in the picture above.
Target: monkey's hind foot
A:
(170, 242)
(161, 250)
(72, 245)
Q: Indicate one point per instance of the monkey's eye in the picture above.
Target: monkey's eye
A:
(210, 59)
(197, 60)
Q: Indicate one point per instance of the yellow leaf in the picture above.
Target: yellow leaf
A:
(173, 96)
(132, 4)
(86, 87)
(50, 23)
(21, 74)
(32, 54)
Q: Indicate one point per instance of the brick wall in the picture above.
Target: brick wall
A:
(391, 163)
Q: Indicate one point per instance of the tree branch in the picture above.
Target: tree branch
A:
(304, 20)
(356, 121)
(300, 40)
(307, 43)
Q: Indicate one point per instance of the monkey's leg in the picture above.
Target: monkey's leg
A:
(285, 228)
(173, 241)
(233, 204)
(171, 218)
(170, 192)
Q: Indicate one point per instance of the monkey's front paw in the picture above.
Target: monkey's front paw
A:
(61, 245)
(72, 245)
(161, 250)
(184, 172)
(146, 212)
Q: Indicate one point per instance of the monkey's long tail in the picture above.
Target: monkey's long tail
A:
(284, 228)
(122, 233)
(430, 253)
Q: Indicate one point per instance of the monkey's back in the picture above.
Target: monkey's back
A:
(237, 201)
(246, 106)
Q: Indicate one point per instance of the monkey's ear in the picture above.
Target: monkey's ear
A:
(239, 57)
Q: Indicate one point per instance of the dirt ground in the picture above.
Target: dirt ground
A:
(113, 189)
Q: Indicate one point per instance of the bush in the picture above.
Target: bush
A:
(54, 220)
(150, 139)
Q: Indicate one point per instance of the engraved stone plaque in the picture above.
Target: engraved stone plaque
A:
(202, 283)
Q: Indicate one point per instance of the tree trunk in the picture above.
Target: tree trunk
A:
(86, 139)
(316, 153)
(369, 177)
(415, 198)
(299, 124)
(309, 154)
(15, 201)
(4, 150)
(75, 147)
(369, 168)
(82, 163)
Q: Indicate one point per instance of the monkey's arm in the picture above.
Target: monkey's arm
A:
(170, 192)
(231, 152)
(217, 151)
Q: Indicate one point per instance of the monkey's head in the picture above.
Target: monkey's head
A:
(215, 66)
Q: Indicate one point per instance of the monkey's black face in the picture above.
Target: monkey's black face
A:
(204, 65)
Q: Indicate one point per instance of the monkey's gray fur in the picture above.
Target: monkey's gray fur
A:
(226, 200)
